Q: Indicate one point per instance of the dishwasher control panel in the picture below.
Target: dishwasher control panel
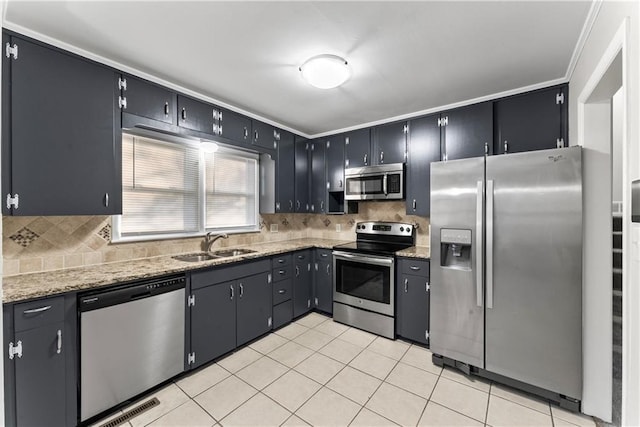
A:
(165, 283)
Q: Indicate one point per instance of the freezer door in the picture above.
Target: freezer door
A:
(456, 309)
(534, 268)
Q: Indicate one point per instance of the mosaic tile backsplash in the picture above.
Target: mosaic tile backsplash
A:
(32, 244)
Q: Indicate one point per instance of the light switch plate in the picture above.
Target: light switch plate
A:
(273, 228)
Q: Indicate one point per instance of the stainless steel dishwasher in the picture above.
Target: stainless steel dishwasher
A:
(131, 339)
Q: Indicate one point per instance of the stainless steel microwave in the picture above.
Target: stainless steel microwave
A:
(384, 182)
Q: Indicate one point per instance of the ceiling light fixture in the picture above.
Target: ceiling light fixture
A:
(208, 146)
(325, 71)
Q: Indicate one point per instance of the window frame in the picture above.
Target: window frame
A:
(116, 220)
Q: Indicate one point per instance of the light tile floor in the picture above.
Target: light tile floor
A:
(320, 373)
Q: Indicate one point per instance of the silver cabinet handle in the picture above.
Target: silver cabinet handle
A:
(365, 159)
(231, 292)
(106, 200)
(281, 272)
(297, 205)
(241, 290)
(324, 255)
(479, 243)
(281, 261)
(282, 291)
(166, 108)
(414, 267)
(406, 285)
(506, 147)
(255, 135)
(184, 114)
(382, 157)
(489, 259)
(297, 271)
(340, 184)
(291, 204)
(37, 310)
(59, 348)
(328, 269)
(246, 132)
(415, 204)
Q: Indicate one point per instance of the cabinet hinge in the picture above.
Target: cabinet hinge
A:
(275, 145)
(346, 141)
(11, 50)
(122, 84)
(439, 122)
(316, 301)
(406, 156)
(191, 301)
(122, 102)
(309, 267)
(316, 266)
(346, 163)
(270, 321)
(427, 287)
(328, 185)
(405, 129)
(15, 350)
(426, 335)
(560, 98)
(13, 201)
(308, 303)
(445, 121)
(269, 278)
(328, 144)
(191, 358)
(276, 135)
(560, 143)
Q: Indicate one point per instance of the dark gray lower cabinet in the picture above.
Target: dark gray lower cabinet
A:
(302, 282)
(254, 315)
(412, 291)
(323, 280)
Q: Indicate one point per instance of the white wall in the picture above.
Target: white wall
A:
(611, 17)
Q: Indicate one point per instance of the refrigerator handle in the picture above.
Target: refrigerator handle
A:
(489, 259)
(479, 244)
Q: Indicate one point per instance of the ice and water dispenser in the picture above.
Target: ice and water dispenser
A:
(455, 247)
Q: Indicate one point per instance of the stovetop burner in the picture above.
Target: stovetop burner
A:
(383, 238)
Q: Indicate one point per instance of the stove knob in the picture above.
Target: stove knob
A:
(408, 229)
(402, 229)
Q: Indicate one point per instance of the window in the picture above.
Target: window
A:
(175, 188)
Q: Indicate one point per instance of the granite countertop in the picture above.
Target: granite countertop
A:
(36, 285)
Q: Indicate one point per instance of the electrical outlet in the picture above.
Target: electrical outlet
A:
(273, 228)
(338, 227)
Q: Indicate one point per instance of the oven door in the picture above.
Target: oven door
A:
(364, 281)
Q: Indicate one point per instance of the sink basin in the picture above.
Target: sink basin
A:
(200, 256)
(232, 252)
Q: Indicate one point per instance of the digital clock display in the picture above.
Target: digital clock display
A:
(380, 227)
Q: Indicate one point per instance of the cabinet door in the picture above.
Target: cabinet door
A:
(357, 146)
(263, 135)
(302, 283)
(318, 199)
(213, 321)
(255, 307)
(532, 121)
(335, 163)
(424, 148)
(285, 176)
(467, 130)
(149, 100)
(64, 149)
(198, 116)
(40, 376)
(413, 308)
(302, 175)
(236, 127)
(324, 286)
(390, 143)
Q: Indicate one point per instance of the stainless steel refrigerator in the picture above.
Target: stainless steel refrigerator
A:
(506, 266)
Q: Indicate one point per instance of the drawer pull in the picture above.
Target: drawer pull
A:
(324, 255)
(59, 349)
(282, 291)
(281, 261)
(414, 268)
(37, 310)
(281, 272)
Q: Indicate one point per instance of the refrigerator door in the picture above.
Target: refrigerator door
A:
(534, 268)
(456, 308)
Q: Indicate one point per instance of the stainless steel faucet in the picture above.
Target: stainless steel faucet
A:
(210, 239)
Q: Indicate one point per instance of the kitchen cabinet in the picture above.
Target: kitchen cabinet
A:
(254, 315)
(466, 131)
(199, 116)
(412, 292)
(334, 157)
(264, 135)
(323, 280)
(390, 143)
(235, 127)
(146, 99)
(318, 186)
(61, 139)
(302, 282)
(424, 148)
(282, 274)
(40, 378)
(532, 121)
(302, 172)
(286, 173)
(357, 145)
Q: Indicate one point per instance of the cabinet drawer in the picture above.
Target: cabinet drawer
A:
(302, 256)
(282, 291)
(323, 254)
(413, 266)
(281, 261)
(282, 314)
(34, 314)
(282, 273)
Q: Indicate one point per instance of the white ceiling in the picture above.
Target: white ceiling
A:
(406, 57)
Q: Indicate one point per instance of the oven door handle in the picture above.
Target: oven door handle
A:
(365, 259)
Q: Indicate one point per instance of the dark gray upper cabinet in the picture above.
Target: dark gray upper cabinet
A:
(286, 173)
(334, 157)
(255, 306)
(146, 99)
(412, 320)
(302, 174)
(424, 148)
(323, 288)
(61, 134)
(302, 282)
(213, 322)
(236, 127)
(390, 143)
(466, 131)
(199, 116)
(264, 135)
(531, 121)
(318, 194)
(357, 148)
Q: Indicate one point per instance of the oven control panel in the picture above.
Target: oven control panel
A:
(385, 228)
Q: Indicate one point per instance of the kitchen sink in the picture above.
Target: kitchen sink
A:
(200, 256)
(232, 252)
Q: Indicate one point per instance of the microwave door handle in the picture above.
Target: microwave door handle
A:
(384, 184)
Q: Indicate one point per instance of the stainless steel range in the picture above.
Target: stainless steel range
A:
(364, 276)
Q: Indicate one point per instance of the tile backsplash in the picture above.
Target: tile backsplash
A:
(32, 244)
